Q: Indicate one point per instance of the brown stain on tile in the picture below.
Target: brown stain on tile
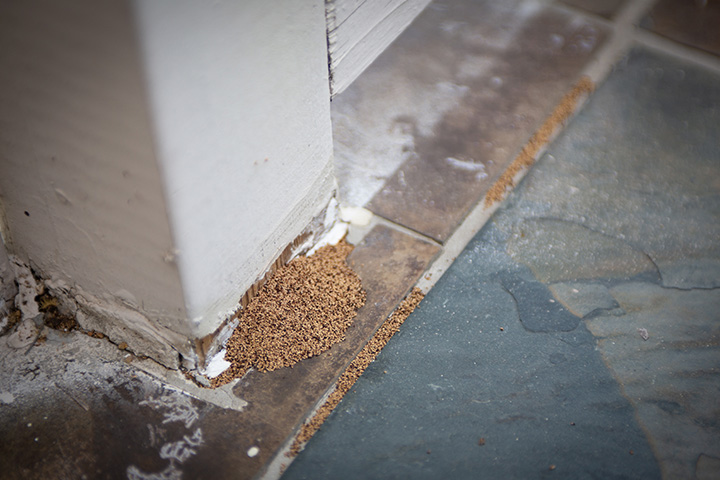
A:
(542, 137)
(525, 74)
(694, 23)
(356, 368)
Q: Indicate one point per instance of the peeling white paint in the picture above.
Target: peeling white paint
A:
(24, 335)
(217, 364)
(356, 216)
(183, 449)
(330, 238)
(171, 472)
(179, 408)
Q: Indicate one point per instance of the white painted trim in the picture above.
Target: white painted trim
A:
(360, 30)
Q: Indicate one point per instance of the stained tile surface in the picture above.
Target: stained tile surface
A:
(694, 23)
(578, 334)
(428, 128)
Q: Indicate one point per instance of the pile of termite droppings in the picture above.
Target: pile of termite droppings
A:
(303, 309)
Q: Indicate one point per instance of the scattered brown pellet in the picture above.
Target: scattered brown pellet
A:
(481, 441)
(552, 467)
(301, 311)
(572, 424)
(632, 452)
(428, 452)
(502, 329)
(122, 345)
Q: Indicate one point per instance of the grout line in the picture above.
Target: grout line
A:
(406, 230)
(579, 12)
(345, 382)
(633, 11)
(281, 460)
(670, 47)
(457, 242)
(621, 39)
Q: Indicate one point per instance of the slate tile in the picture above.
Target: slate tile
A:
(694, 23)
(647, 200)
(451, 377)
(447, 107)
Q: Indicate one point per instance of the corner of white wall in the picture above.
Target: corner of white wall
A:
(241, 112)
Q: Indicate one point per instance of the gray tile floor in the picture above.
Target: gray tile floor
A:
(578, 334)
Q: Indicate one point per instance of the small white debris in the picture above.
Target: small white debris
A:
(252, 451)
(643, 333)
(6, 397)
(217, 365)
(357, 216)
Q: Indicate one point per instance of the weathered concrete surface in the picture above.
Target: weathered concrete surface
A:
(72, 406)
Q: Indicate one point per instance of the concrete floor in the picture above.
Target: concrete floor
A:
(576, 335)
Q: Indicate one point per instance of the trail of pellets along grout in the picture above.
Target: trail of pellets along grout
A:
(526, 158)
(356, 368)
